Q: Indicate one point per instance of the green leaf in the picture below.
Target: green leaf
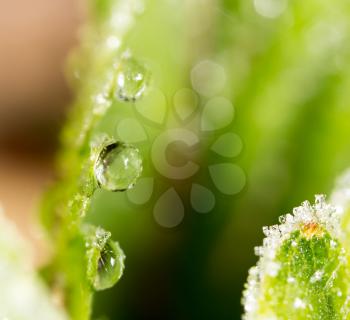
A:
(102, 72)
(303, 269)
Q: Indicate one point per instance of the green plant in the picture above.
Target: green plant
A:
(85, 258)
(303, 270)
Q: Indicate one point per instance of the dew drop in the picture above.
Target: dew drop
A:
(110, 265)
(132, 79)
(105, 258)
(118, 167)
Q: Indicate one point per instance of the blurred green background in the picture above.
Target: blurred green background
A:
(288, 78)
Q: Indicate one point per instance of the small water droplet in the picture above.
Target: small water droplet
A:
(118, 166)
(105, 258)
(110, 265)
(132, 79)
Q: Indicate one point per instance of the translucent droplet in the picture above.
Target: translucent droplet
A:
(227, 177)
(105, 258)
(202, 199)
(118, 167)
(110, 266)
(132, 79)
(169, 209)
(217, 114)
(228, 145)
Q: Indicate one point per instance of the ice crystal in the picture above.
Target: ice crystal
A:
(302, 266)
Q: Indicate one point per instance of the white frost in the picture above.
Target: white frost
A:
(321, 214)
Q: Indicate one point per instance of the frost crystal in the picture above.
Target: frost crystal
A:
(290, 254)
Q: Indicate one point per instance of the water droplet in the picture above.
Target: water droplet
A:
(227, 177)
(132, 79)
(169, 209)
(217, 114)
(118, 167)
(185, 103)
(208, 78)
(142, 192)
(110, 265)
(202, 199)
(228, 145)
(105, 258)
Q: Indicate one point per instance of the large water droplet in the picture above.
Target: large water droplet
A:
(118, 167)
(110, 265)
(132, 79)
(105, 258)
